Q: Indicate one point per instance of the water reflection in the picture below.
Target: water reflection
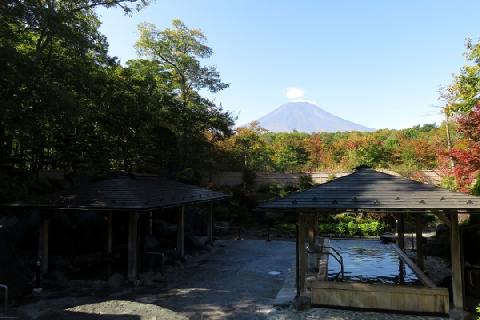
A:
(371, 261)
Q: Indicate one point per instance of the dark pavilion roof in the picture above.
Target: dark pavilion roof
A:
(372, 190)
(124, 192)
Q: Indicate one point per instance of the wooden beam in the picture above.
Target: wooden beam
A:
(401, 231)
(422, 276)
(109, 233)
(181, 233)
(43, 244)
(302, 255)
(132, 246)
(457, 272)
(210, 223)
(419, 240)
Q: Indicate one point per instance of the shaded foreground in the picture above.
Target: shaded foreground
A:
(232, 282)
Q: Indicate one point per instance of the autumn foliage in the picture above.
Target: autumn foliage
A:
(467, 153)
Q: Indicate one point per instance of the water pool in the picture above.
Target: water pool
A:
(370, 261)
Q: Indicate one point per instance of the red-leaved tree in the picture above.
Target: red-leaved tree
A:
(467, 156)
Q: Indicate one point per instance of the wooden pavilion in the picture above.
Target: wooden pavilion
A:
(119, 194)
(367, 190)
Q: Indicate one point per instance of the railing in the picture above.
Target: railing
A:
(336, 255)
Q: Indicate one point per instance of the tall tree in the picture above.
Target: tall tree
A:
(463, 94)
(462, 98)
(54, 66)
(179, 51)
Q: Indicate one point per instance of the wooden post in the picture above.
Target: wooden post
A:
(43, 244)
(132, 245)
(181, 233)
(302, 255)
(419, 240)
(457, 272)
(210, 223)
(109, 233)
(311, 231)
(150, 223)
(401, 231)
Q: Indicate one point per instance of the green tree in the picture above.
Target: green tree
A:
(179, 50)
(463, 94)
(52, 59)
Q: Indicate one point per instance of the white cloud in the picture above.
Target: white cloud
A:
(294, 93)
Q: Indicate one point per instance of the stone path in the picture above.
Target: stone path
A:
(239, 280)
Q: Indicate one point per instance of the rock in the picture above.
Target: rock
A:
(198, 242)
(438, 247)
(116, 281)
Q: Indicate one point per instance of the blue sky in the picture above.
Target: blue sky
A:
(377, 63)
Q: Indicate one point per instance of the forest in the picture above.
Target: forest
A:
(67, 105)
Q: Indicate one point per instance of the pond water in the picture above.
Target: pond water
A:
(370, 261)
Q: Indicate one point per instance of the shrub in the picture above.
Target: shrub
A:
(351, 225)
(305, 182)
(476, 187)
(449, 183)
(331, 177)
(352, 228)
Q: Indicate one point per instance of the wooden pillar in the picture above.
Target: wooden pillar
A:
(181, 233)
(401, 231)
(43, 244)
(301, 255)
(210, 223)
(132, 246)
(109, 233)
(150, 223)
(419, 240)
(311, 230)
(457, 272)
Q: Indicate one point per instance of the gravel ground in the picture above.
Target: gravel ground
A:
(123, 310)
(337, 314)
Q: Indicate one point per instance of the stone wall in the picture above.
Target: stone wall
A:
(234, 178)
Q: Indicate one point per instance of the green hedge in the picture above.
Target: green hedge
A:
(343, 226)
(350, 225)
